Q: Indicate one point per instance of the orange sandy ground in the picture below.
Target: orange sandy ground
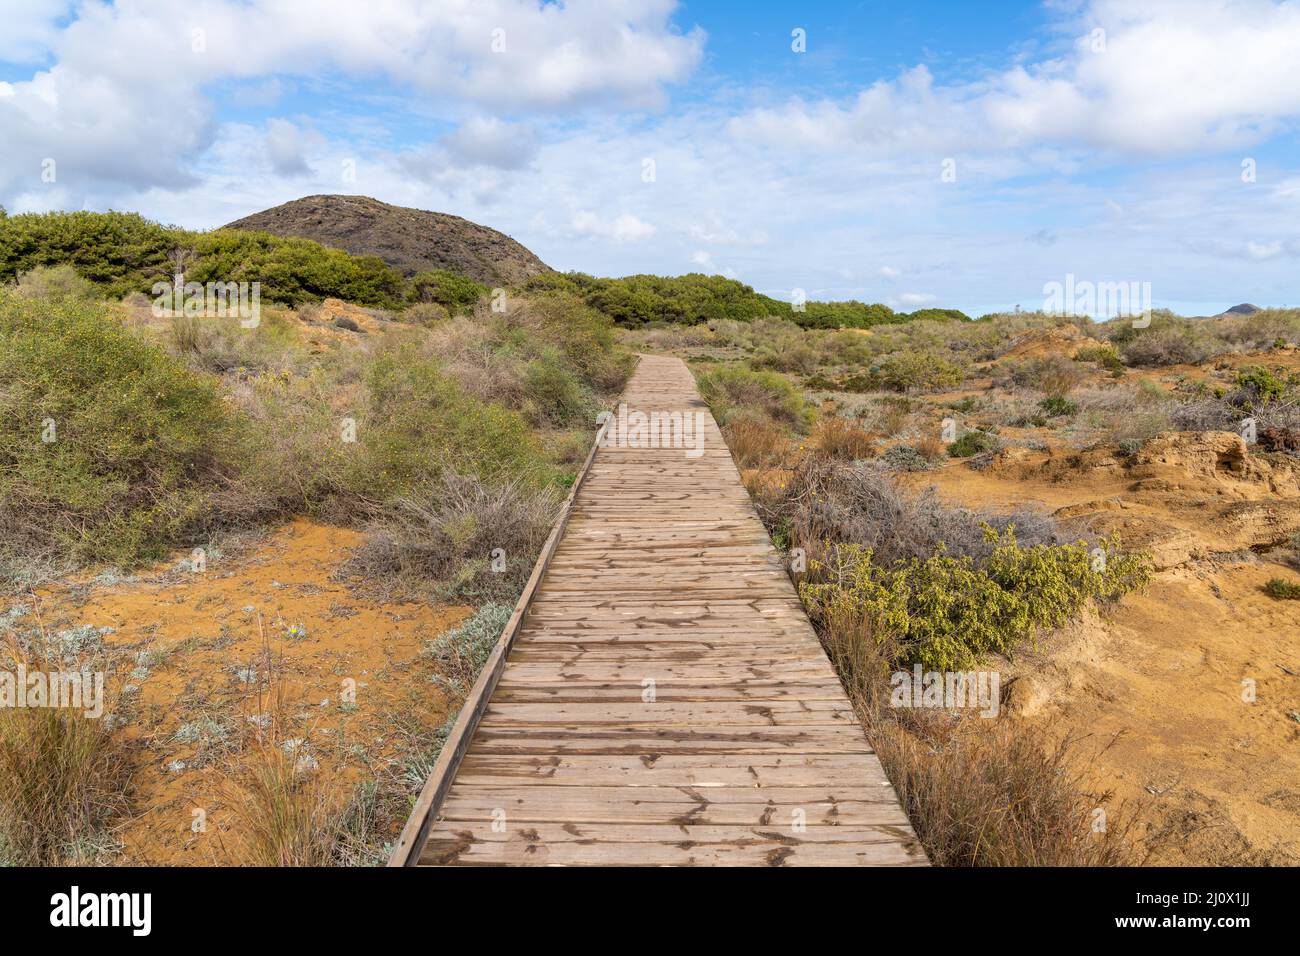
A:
(1155, 687)
(190, 633)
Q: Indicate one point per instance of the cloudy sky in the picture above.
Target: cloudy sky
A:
(930, 153)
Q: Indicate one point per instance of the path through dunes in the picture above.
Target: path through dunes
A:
(665, 700)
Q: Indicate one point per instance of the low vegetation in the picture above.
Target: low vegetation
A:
(64, 775)
(448, 440)
(634, 301)
(895, 577)
(118, 444)
(947, 612)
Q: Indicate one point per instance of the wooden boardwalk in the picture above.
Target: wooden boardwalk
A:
(664, 700)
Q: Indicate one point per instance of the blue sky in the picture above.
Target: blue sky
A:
(941, 153)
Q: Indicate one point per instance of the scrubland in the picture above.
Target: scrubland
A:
(287, 547)
(290, 547)
(1106, 515)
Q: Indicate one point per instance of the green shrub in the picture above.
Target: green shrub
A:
(55, 282)
(733, 389)
(972, 443)
(454, 292)
(105, 439)
(916, 371)
(637, 300)
(1265, 385)
(418, 423)
(583, 337)
(123, 253)
(555, 392)
(946, 612)
(1282, 590)
(1058, 406)
(1103, 355)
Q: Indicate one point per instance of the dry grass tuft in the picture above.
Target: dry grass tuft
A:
(285, 817)
(835, 439)
(979, 792)
(284, 813)
(755, 442)
(63, 777)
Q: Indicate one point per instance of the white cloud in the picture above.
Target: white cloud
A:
(889, 272)
(914, 299)
(624, 227)
(126, 99)
(29, 28)
(1174, 76)
(285, 144)
(487, 141)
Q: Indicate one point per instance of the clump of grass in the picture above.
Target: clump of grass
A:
(972, 443)
(462, 651)
(459, 536)
(754, 441)
(991, 793)
(1282, 590)
(284, 814)
(732, 389)
(836, 439)
(63, 778)
(284, 817)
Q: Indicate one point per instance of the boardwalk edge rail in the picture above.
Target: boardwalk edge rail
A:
(406, 851)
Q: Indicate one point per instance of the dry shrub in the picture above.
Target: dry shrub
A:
(831, 502)
(440, 537)
(998, 792)
(755, 442)
(1134, 430)
(835, 439)
(931, 448)
(1058, 381)
(892, 415)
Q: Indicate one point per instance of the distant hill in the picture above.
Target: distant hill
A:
(411, 240)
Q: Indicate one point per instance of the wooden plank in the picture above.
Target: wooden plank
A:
(671, 770)
(549, 844)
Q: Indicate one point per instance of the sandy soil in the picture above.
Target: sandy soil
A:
(204, 661)
(1185, 697)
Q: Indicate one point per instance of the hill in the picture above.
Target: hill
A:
(411, 240)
